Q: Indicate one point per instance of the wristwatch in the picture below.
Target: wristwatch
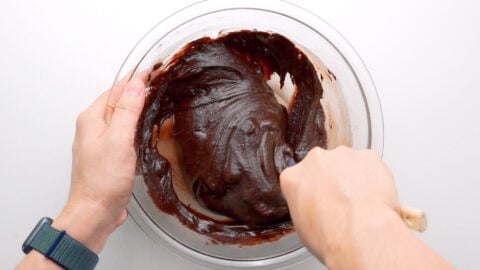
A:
(59, 247)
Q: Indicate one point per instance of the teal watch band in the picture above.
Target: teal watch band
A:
(59, 247)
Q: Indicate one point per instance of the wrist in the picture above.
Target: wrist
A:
(370, 227)
(88, 223)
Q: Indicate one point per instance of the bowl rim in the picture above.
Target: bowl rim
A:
(337, 41)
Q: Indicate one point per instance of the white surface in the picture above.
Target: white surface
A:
(424, 56)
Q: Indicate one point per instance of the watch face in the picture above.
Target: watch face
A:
(26, 247)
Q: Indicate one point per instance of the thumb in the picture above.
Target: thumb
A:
(128, 108)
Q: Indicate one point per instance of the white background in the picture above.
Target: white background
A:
(57, 56)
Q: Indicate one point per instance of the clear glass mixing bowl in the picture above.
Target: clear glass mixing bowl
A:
(353, 112)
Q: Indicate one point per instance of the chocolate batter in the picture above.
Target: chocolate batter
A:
(233, 138)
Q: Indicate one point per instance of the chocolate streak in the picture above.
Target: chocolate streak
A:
(233, 138)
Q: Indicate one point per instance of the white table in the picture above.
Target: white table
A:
(424, 56)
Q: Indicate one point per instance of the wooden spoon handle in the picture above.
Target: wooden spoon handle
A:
(414, 218)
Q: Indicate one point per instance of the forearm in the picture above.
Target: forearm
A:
(383, 242)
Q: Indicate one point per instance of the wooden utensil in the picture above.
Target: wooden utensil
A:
(414, 218)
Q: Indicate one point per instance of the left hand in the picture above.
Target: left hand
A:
(103, 166)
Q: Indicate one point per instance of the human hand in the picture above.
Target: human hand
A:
(334, 195)
(103, 166)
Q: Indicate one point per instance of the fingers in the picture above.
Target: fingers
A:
(290, 177)
(117, 90)
(128, 108)
(289, 181)
(98, 107)
(91, 120)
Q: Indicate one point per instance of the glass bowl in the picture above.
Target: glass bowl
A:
(352, 109)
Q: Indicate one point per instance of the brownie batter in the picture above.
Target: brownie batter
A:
(233, 138)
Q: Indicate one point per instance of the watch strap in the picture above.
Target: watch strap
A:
(63, 249)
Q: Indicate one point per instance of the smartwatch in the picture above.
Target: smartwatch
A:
(59, 247)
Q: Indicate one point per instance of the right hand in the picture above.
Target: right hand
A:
(332, 195)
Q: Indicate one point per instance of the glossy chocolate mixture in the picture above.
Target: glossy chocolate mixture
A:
(233, 138)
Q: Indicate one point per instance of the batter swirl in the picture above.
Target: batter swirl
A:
(232, 137)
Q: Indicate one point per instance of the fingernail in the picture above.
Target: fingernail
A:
(134, 88)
